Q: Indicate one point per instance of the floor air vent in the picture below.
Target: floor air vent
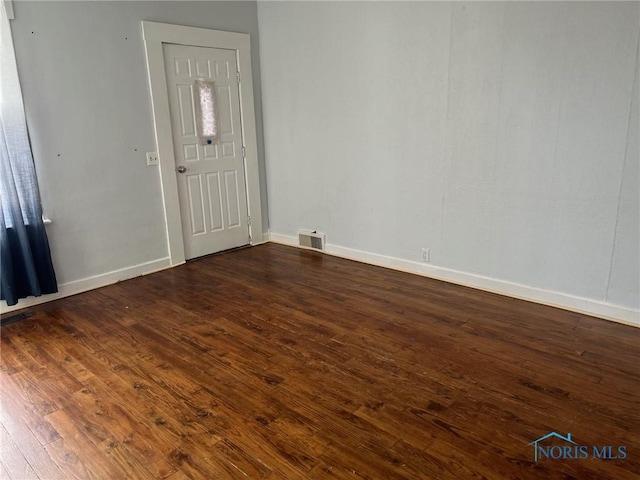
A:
(313, 240)
(6, 320)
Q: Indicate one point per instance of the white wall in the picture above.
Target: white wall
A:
(83, 73)
(493, 133)
(624, 281)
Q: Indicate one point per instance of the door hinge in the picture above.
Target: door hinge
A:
(244, 153)
(249, 220)
(238, 76)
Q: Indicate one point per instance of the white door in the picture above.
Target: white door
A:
(211, 178)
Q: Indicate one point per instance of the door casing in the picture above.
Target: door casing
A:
(155, 34)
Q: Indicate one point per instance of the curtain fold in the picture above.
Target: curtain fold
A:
(26, 267)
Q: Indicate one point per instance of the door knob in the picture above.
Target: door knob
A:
(182, 169)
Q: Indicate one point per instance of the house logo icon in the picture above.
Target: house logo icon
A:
(570, 450)
(549, 435)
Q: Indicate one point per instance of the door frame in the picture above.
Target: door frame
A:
(155, 35)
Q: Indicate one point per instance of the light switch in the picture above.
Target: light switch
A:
(152, 158)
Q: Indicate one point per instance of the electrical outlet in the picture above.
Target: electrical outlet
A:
(425, 255)
(152, 158)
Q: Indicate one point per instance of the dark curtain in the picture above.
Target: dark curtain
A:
(26, 263)
(26, 268)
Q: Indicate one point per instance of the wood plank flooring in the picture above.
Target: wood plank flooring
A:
(273, 362)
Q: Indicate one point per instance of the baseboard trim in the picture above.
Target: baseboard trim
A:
(265, 239)
(90, 283)
(565, 301)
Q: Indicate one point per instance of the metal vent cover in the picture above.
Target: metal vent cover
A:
(313, 240)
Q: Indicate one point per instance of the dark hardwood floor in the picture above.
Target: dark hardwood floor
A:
(272, 362)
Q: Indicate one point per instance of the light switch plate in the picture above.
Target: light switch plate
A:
(152, 158)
